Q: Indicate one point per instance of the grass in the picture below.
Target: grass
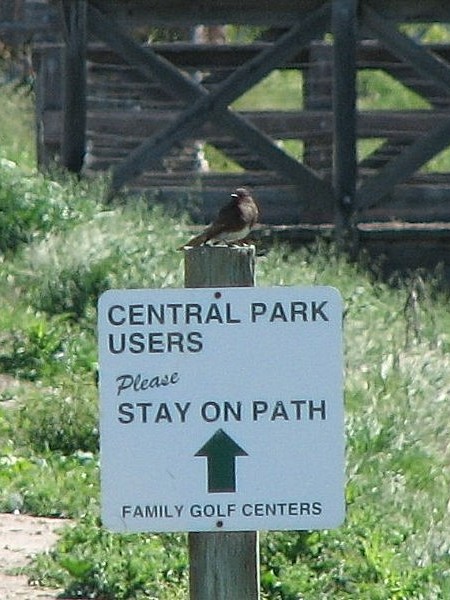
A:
(394, 543)
(60, 249)
(16, 141)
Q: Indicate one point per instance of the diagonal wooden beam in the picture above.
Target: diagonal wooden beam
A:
(426, 63)
(213, 105)
(401, 168)
(145, 60)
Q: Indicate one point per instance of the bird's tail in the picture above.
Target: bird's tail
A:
(198, 240)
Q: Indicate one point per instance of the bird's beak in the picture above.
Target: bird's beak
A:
(234, 196)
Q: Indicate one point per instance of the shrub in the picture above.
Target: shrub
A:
(62, 419)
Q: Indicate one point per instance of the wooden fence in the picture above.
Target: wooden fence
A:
(145, 112)
(124, 110)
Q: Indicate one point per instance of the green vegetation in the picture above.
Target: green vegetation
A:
(59, 249)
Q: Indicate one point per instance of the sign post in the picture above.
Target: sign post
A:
(221, 415)
(222, 565)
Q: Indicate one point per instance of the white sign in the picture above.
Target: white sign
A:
(221, 409)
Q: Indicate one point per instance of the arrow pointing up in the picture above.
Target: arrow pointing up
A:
(221, 451)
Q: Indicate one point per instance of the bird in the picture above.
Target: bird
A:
(233, 223)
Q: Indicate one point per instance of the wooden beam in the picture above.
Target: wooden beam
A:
(318, 97)
(149, 64)
(133, 13)
(370, 54)
(424, 62)
(24, 28)
(134, 127)
(48, 104)
(304, 125)
(212, 105)
(309, 184)
(74, 95)
(407, 11)
(312, 26)
(344, 104)
(402, 167)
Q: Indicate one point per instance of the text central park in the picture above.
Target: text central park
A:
(192, 313)
(160, 316)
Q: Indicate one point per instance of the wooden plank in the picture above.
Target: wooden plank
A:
(370, 54)
(279, 203)
(17, 32)
(401, 124)
(402, 167)
(222, 180)
(197, 56)
(277, 124)
(411, 11)
(412, 203)
(344, 104)
(318, 96)
(134, 13)
(304, 125)
(211, 57)
(48, 104)
(74, 98)
(215, 104)
(284, 125)
(203, 195)
(404, 247)
(420, 59)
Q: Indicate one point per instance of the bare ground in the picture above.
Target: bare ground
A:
(21, 537)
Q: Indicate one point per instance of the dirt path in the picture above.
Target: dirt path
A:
(21, 537)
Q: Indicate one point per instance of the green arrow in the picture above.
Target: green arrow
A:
(221, 452)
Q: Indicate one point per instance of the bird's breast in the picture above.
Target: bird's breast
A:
(231, 236)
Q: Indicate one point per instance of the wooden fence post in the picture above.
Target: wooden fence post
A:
(73, 143)
(344, 25)
(47, 64)
(223, 565)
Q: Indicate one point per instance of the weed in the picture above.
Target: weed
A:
(115, 249)
(60, 419)
(144, 566)
(48, 484)
(47, 348)
(61, 248)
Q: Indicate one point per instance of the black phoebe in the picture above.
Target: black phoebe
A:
(233, 223)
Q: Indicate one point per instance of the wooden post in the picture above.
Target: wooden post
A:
(344, 24)
(223, 565)
(318, 95)
(74, 98)
(47, 64)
